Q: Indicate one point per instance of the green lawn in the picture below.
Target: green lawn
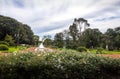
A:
(104, 51)
(14, 49)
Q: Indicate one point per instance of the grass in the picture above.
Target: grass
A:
(104, 51)
(93, 51)
(111, 52)
(14, 49)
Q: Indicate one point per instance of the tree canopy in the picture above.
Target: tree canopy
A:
(80, 34)
(21, 33)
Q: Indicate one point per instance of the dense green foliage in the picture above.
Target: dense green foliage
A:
(99, 50)
(16, 32)
(3, 47)
(58, 40)
(91, 38)
(47, 41)
(79, 34)
(36, 40)
(9, 40)
(112, 38)
(82, 49)
(64, 65)
(13, 49)
(3, 42)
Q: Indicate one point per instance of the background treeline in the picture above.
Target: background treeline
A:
(14, 32)
(80, 35)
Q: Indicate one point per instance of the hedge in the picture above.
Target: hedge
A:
(99, 50)
(4, 47)
(65, 65)
(81, 49)
(3, 42)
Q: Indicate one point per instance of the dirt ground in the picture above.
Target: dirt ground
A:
(111, 55)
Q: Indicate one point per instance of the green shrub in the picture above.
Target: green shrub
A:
(99, 50)
(3, 47)
(3, 42)
(81, 49)
(64, 65)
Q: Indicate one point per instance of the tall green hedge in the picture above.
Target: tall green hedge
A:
(65, 65)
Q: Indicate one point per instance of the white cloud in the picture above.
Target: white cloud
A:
(104, 25)
(49, 16)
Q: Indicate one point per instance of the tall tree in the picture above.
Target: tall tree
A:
(117, 38)
(76, 29)
(67, 39)
(111, 39)
(81, 24)
(91, 38)
(105, 40)
(58, 40)
(111, 35)
(47, 41)
(21, 33)
(36, 39)
(73, 32)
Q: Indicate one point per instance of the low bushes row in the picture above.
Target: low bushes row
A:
(82, 49)
(5, 43)
(3, 47)
(65, 65)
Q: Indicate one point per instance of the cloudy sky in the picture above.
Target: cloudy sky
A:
(47, 17)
